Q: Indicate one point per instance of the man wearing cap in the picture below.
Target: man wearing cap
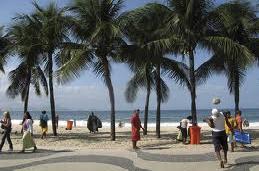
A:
(217, 122)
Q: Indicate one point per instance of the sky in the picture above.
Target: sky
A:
(89, 92)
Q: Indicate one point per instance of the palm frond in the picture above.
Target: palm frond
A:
(229, 48)
(214, 65)
(136, 82)
(177, 71)
(77, 61)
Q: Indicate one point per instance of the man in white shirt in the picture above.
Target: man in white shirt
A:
(217, 122)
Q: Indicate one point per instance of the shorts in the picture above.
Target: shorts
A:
(184, 132)
(219, 140)
(231, 138)
(44, 130)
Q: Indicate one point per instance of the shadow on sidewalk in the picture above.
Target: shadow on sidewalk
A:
(16, 155)
(116, 161)
(244, 163)
(175, 158)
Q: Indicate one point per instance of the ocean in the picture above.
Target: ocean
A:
(168, 117)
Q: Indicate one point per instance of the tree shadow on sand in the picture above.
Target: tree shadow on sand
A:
(116, 161)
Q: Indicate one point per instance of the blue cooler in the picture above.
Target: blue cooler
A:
(243, 138)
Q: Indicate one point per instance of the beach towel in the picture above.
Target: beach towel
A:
(135, 127)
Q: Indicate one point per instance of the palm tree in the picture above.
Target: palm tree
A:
(145, 77)
(191, 24)
(97, 33)
(147, 63)
(4, 43)
(237, 23)
(29, 71)
(53, 26)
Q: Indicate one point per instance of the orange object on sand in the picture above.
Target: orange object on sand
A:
(69, 125)
(195, 132)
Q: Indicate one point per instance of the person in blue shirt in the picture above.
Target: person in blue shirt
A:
(44, 124)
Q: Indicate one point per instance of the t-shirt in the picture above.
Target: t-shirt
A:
(232, 122)
(219, 122)
(27, 125)
(44, 117)
(184, 123)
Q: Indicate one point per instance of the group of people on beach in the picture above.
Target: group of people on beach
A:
(222, 124)
(27, 130)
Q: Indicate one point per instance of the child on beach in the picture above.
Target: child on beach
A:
(135, 129)
(6, 124)
(230, 134)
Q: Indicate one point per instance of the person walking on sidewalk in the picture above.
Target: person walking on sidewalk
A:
(219, 137)
(135, 129)
(44, 124)
(6, 124)
(27, 138)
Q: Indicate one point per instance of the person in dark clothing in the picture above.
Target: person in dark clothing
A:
(93, 123)
(7, 126)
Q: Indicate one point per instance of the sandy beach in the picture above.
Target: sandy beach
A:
(78, 149)
(79, 138)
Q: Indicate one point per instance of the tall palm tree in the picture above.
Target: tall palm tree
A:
(145, 77)
(29, 71)
(191, 24)
(53, 26)
(237, 20)
(148, 63)
(97, 33)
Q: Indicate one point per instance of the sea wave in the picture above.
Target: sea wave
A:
(83, 123)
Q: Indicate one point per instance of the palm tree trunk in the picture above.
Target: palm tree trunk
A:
(236, 91)
(26, 100)
(51, 90)
(158, 93)
(193, 88)
(146, 107)
(107, 77)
